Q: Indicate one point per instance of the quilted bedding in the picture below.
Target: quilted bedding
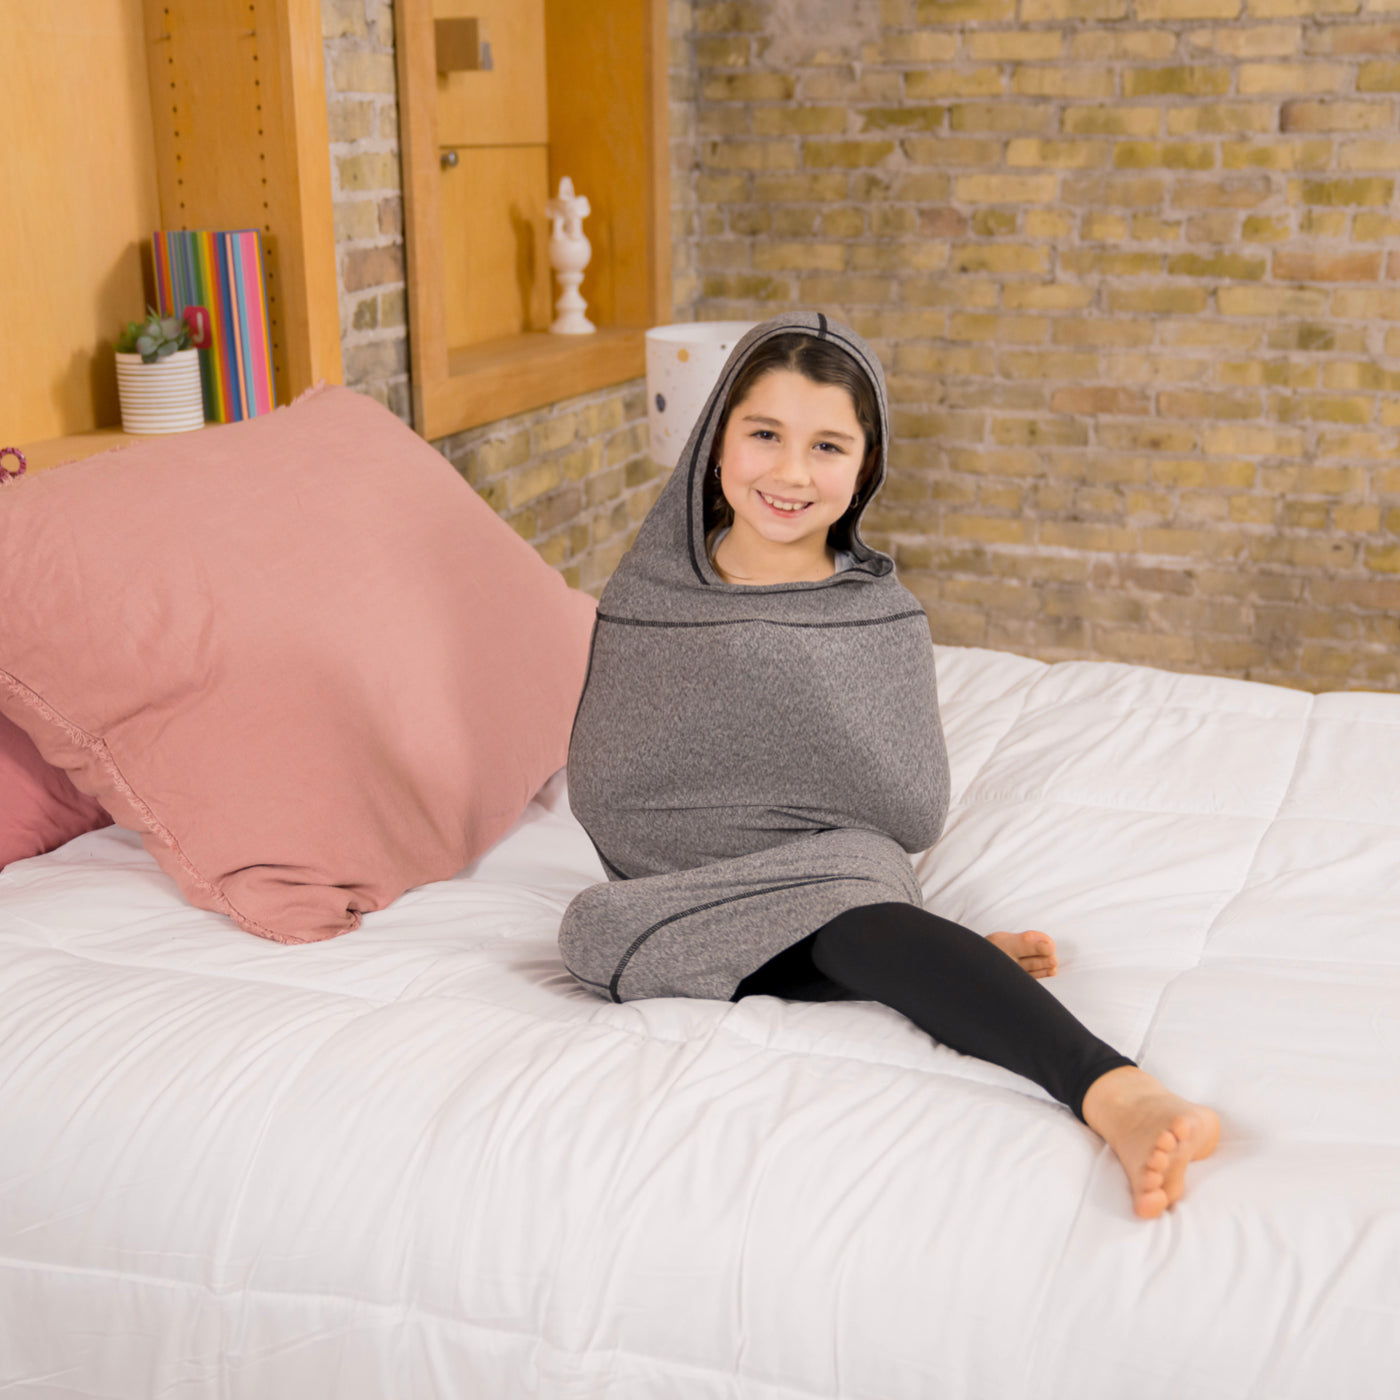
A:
(419, 1161)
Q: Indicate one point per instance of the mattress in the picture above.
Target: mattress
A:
(419, 1161)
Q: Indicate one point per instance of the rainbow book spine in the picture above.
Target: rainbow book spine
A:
(223, 273)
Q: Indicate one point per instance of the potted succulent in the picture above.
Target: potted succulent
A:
(158, 376)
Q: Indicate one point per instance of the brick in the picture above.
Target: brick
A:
(1227, 192)
(1303, 552)
(1265, 228)
(1276, 155)
(943, 223)
(1007, 330)
(1092, 262)
(952, 150)
(1103, 228)
(1158, 301)
(1202, 405)
(1317, 408)
(349, 119)
(1327, 267)
(1070, 82)
(1075, 155)
(1104, 539)
(844, 85)
(1004, 189)
(1334, 116)
(750, 155)
(924, 83)
(799, 121)
(355, 220)
(716, 18)
(1293, 78)
(1055, 365)
(372, 267)
(920, 47)
(995, 223)
(1358, 39)
(1258, 374)
(1194, 81)
(1271, 301)
(1250, 41)
(1176, 155)
(1113, 190)
(1099, 399)
(1036, 11)
(1149, 229)
(1024, 46)
(1378, 77)
(999, 116)
(849, 154)
(372, 170)
(1377, 303)
(738, 287)
(360, 70)
(748, 87)
(1373, 191)
(1234, 266)
(1273, 9)
(1102, 333)
(964, 11)
(1149, 10)
(1111, 121)
(1094, 45)
(991, 529)
(922, 187)
(1221, 118)
(1369, 155)
(901, 118)
(1052, 296)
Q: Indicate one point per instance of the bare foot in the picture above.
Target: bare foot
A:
(1035, 951)
(1154, 1133)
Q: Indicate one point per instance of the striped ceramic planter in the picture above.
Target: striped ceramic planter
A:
(165, 397)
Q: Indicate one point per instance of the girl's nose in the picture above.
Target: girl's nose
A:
(792, 464)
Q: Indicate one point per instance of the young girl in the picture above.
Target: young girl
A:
(758, 750)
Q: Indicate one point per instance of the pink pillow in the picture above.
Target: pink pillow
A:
(297, 654)
(40, 808)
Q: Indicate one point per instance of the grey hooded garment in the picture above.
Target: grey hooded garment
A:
(749, 761)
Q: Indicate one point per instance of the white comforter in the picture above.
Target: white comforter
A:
(418, 1161)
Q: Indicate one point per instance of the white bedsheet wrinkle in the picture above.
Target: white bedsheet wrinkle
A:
(418, 1160)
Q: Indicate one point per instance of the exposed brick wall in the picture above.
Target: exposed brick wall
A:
(573, 478)
(367, 189)
(1132, 265)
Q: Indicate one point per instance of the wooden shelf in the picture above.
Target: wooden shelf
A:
(133, 115)
(516, 373)
(54, 452)
(590, 81)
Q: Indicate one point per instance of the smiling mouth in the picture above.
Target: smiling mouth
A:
(784, 507)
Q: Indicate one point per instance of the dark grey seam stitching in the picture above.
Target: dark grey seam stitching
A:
(715, 904)
(764, 621)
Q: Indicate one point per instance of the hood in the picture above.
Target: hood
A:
(671, 542)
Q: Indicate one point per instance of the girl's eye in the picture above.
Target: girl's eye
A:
(764, 433)
(831, 447)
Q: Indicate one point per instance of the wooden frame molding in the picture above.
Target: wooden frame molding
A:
(606, 81)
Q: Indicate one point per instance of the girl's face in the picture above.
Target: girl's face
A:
(789, 462)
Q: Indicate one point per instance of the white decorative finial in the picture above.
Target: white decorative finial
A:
(569, 252)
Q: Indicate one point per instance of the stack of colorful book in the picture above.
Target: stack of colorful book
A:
(223, 274)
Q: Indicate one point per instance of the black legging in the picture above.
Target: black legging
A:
(950, 982)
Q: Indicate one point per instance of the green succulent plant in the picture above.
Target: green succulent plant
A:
(154, 338)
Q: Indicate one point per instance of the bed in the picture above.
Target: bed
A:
(417, 1160)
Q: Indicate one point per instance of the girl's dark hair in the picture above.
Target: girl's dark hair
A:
(823, 363)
